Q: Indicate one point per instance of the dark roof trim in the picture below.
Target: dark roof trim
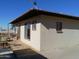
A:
(36, 12)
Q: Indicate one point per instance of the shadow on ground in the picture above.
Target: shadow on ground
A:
(28, 54)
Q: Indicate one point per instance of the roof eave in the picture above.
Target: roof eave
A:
(35, 12)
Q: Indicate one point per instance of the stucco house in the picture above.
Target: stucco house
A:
(50, 34)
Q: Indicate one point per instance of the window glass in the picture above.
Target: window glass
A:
(27, 31)
(34, 25)
(59, 27)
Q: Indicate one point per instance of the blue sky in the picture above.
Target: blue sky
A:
(11, 9)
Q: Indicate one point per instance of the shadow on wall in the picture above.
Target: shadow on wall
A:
(52, 25)
(28, 54)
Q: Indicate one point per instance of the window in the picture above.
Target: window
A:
(13, 28)
(59, 27)
(18, 32)
(34, 25)
(27, 31)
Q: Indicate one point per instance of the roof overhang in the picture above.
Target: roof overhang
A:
(36, 12)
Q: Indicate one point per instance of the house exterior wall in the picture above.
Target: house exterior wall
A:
(34, 41)
(58, 45)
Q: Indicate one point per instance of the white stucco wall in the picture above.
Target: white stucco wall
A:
(59, 45)
(51, 44)
(34, 41)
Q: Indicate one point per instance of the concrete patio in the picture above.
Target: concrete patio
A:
(23, 51)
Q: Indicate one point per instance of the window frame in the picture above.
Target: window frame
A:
(59, 27)
(34, 25)
(27, 31)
